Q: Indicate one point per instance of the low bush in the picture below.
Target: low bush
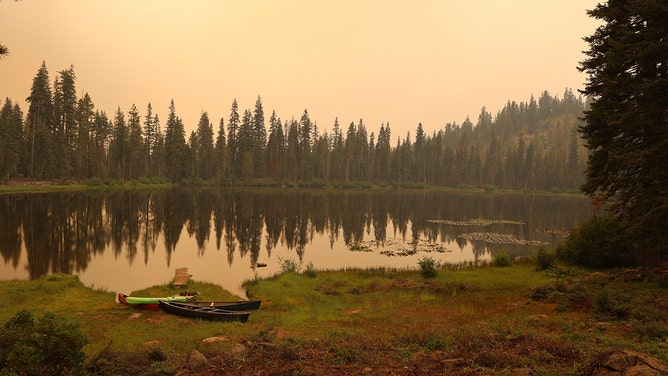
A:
(544, 259)
(611, 304)
(94, 182)
(502, 259)
(600, 242)
(489, 188)
(49, 345)
(310, 270)
(289, 265)
(429, 267)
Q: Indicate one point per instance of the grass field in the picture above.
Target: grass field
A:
(485, 320)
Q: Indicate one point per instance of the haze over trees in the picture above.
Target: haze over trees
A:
(626, 128)
(528, 145)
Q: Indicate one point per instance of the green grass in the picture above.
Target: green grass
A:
(351, 319)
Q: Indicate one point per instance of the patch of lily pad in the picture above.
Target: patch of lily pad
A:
(554, 233)
(398, 248)
(496, 238)
(475, 222)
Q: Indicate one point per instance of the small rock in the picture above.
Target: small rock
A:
(522, 372)
(197, 361)
(154, 343)
(215, 339)
(454, 362)
(134, 316)
(238, 349)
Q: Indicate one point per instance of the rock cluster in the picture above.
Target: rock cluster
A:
(626, 362)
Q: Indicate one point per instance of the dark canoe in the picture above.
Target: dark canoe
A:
(240, 305)
(152, 303)
(206, 312)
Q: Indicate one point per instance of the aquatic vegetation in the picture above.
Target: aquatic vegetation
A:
(475, 222)
(494, 237)
(552, 232)
(398, 248)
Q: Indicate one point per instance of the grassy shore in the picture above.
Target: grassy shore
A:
(485, 320)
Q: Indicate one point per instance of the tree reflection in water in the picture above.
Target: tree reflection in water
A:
(64, 231)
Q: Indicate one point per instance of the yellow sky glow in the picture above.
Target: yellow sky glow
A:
(378, 60)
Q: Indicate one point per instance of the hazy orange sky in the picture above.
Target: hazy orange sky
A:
(402, 62)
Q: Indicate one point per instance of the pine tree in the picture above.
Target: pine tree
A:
(383, 154)
(275, 147)
(11, 139)
(232, 141)
(119, 147)
(150, 134)
(420, 155)
(39, 123)
(84, 120)
(349, 153)
(206, 160)
(100, 136)
(626, 127)
(259, 139)
(65, 126)
(158, 154)
(305, 147)
(222, 155)
(245, 147)
(136, 160)
(292, 151)
(337, 151)
(176, 150)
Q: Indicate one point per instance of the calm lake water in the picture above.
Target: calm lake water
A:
(130, 240)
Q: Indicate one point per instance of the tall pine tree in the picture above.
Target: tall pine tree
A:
(39, 122)
(176, 150)
(626, 127)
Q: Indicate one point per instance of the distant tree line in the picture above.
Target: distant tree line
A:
(531, 146)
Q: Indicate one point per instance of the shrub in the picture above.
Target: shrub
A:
(94, 181)
(310, 270)
(46, 346)
(502, 259)
(429, 267)
(600, 242)
(289, 265)
(489, 188)
(611, 304)
(544, 259)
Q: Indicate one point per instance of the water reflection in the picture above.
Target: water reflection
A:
(132, 239)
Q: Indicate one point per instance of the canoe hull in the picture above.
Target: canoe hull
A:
(240, 305)
(152, 303)
(205, 313)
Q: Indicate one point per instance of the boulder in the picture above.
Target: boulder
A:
(197, 361)
(626, 363)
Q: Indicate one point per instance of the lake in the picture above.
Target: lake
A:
(127, 240)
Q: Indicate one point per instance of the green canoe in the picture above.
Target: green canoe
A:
(152, 303)
(142, 300)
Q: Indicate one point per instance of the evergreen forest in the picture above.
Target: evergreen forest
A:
(63, 138)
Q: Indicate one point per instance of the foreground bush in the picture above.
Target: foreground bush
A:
(600, 242)
(48, 346)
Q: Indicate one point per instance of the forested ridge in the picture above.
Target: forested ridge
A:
(530, 145)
